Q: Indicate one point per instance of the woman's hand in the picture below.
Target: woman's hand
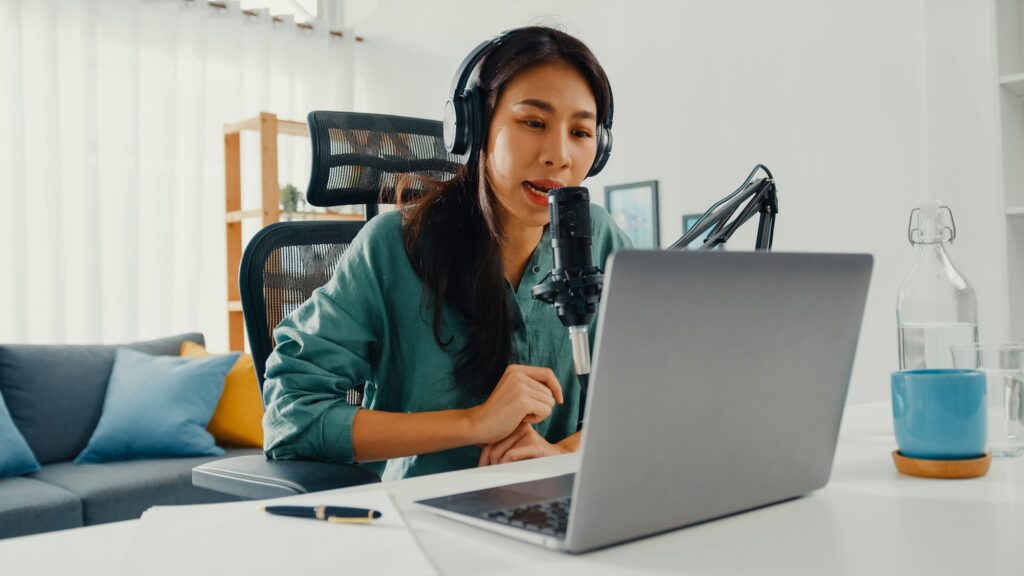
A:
(524, 395)
(523, 444)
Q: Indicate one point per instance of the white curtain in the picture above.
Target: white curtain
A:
(112, 157)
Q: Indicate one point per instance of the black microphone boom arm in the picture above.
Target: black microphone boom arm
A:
(763, 200)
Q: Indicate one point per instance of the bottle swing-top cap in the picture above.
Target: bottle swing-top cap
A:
(930, 225)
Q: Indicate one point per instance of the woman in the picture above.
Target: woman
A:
(431, 304)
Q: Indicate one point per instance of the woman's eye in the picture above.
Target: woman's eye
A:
(581, 133)
(533, 123)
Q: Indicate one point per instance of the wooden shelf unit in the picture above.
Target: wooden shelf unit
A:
(269, 127)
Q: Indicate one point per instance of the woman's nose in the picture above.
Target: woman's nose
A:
(556, 151)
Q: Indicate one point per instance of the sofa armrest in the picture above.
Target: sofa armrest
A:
(255, 477)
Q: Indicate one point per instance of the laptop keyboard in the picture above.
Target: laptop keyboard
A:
(551, 517)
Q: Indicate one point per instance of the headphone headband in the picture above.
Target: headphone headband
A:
(468, 66)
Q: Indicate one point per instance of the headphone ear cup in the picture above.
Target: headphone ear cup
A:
(455, 126)
(474, 130)
(604, 150)
(450, 127)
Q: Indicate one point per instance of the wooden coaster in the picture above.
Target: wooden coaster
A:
(971, 468)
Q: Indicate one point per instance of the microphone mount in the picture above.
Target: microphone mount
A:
(763, 200)
(575, 298)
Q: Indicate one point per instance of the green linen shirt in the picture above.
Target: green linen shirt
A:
(368, 324)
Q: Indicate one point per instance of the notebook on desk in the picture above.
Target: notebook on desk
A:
(718, 386)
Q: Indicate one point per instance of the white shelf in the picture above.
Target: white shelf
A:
(1014, 83)
(1009, 29)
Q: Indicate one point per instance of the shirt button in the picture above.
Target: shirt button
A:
(536, 269)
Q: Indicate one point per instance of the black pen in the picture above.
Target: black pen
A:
(335, 514)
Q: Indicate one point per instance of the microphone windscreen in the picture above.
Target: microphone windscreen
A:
(570, 212)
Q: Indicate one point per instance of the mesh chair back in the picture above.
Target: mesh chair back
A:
(281, 267)
(358, 158)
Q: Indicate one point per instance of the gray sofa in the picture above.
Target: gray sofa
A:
(55, 395)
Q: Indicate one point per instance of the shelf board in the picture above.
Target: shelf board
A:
(234, 305)
(1014, 83)
(291, 216)
(234, 216)
(288, 127)
(292, 128)
(238, 215)
(1015, 211)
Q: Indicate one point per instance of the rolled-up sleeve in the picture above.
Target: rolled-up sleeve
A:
(323, 349)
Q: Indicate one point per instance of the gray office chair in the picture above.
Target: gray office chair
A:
(357, 159)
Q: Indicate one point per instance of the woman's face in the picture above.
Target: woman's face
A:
(541, 137)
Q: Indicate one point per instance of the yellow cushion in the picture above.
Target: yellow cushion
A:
(238, 419)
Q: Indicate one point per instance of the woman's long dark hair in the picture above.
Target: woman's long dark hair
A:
(452, 234)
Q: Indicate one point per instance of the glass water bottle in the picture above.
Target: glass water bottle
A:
(937, 307)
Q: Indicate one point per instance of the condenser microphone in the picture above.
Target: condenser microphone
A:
(574, 285)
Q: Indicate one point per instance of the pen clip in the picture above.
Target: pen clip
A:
(343, 520)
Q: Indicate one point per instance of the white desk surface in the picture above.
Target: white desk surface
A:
(868, 519)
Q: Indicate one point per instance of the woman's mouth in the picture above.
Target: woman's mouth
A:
(537, 193)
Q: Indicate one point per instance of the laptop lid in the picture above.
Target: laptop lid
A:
(718, 385)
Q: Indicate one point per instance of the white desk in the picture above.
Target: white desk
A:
(869, 519)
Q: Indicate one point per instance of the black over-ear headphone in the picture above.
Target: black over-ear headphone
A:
(463, 111)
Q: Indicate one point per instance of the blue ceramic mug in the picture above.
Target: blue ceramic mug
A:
(939, 414)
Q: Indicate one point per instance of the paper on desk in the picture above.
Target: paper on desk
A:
(238, 538)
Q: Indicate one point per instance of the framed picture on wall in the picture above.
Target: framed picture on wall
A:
(688, 221)
(634, 207)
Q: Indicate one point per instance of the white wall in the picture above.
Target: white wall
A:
(861, 109)
(963, 143)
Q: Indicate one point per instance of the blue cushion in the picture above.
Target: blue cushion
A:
(16, 457)
(158, 406)
(55, 392)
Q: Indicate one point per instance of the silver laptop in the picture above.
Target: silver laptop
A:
(717, 386)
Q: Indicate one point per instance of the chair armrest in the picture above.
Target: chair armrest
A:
(255, 477)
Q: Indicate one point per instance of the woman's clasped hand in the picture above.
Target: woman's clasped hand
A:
(524, 396)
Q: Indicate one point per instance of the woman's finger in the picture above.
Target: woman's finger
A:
(521, 453)
(546, 377)
(542, 395)
(499, 449)
(485, 455)
(540, 410)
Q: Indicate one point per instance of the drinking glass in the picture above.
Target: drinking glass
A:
(1003, 365)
